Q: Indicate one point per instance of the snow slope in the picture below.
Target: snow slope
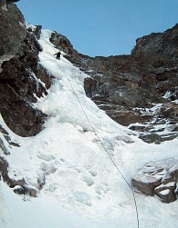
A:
(72, 155)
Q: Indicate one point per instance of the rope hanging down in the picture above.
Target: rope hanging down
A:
(134, 198)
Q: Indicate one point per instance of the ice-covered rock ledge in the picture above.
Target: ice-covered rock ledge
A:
(160, 178)
(18, 185)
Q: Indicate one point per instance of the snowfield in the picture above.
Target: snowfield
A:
(72, 156)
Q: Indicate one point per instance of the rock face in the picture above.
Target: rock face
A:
(21, 74)
(158, 178)
(159, 44)
(13, 32)
(130, 87)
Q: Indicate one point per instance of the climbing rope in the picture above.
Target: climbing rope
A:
(102, 144)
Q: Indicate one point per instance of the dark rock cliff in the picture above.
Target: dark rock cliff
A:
(20, 73)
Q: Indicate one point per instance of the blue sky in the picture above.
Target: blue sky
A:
(107, 27)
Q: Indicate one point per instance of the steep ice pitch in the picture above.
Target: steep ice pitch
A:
(82, 188)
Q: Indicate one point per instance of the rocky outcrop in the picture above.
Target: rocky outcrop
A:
(22, 78)
(13, 32)
(19, 186)
(130, 87)
(158, 178)
(159, 44)
(62, 43)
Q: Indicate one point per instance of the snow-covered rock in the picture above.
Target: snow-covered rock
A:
(158, 178)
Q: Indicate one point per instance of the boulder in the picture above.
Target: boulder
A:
(160, 178)
(33, 192)
(166, 192)
(146, 184)
(19, 190)
(173, 171)
(151, 138)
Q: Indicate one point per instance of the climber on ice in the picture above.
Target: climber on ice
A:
(58, 54)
